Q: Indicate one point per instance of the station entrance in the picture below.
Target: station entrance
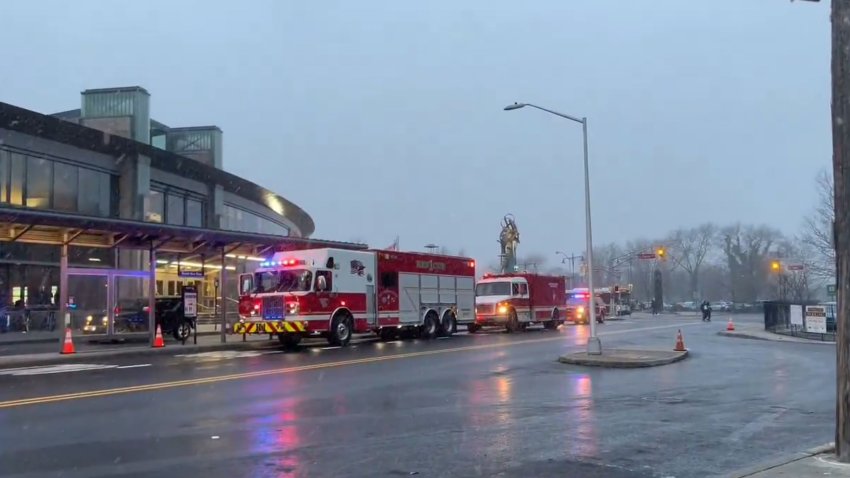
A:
(105, 278)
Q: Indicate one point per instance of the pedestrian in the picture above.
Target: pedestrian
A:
(705, 307)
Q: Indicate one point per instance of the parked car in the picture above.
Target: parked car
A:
(132, 316)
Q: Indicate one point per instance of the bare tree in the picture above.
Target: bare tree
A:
(688, 249)
(746, 249)
(817, 231)
(795, 284)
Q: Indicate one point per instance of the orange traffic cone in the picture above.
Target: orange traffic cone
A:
(157, 341)
(680, 342)
(68, 346)
(730, 325)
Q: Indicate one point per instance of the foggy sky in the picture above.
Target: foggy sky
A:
(385, 117)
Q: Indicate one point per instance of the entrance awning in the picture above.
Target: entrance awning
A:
(48, 227)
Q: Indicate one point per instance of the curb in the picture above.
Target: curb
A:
(771, 464)
(170, 350)
(572, 360)
(57, 340)
(747, 336)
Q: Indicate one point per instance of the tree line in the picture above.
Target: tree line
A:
(737, 262)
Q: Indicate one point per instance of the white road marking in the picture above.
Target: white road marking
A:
(52, 369)
(443, 338)
(134, 366)
(330, 348)
(224, 354)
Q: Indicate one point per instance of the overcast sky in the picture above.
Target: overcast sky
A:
(385, 117)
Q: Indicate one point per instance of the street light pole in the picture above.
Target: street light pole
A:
(594, 345)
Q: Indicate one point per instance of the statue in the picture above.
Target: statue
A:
(509, 238)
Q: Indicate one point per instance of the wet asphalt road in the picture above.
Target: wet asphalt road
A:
(491, 404)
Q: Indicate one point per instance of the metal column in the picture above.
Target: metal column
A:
(152, 296)
(63, 318)
(222, 278)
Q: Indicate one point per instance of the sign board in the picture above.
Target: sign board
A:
(191, 274)
(816, 319)
(190, 302)
(796, 267)
(646, 255)
(797, 315)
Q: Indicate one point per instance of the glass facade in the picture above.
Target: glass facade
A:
(237, 219)
(44, 183)
(175, 206)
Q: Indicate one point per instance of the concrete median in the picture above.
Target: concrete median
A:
(623, 358)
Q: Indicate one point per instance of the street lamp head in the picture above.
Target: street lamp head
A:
(514, 106)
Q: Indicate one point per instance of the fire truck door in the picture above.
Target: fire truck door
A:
(371, 313)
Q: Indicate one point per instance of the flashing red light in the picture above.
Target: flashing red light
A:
(471, 263)
(343, 303)
(146, 308)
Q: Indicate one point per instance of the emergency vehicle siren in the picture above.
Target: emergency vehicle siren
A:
(730, 326)
(680, 342)
(158, 343)
(68, 345)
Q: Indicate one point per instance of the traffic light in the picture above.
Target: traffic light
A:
(775, 266)
(660, 252)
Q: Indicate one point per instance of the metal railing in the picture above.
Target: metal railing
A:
(777, 319)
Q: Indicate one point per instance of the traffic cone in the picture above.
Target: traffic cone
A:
(680, 342)
(68, 346)
(730, 326)
(158, 343)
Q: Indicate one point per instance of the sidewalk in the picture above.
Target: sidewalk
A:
(816, 462)
(757, 332)
(48, 353)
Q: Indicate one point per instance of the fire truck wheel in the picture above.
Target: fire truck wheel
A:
(289, 341)
(340, 333)
(513, 323)
(428, 331)
(447, 327)
(472, 328)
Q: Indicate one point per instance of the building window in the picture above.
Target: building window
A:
(64, 187)
(156, 206)
(16, 179)
(39, 181)
(174, 209)
(194, 213)
(236, 219)
(94, 193)
(4, 176)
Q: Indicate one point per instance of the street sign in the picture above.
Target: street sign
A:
(796, 267)
(646, 255)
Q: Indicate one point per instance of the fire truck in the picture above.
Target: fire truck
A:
(515, 301)
(335, 293)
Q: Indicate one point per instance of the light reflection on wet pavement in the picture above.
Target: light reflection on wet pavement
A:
(505, 411)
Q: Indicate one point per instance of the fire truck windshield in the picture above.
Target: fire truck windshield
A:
(296, 280)
(493, 288)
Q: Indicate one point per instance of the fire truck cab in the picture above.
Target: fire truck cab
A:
(516, 301)
(336, 293)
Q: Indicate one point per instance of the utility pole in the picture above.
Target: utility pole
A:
(572, 258)
(841, 176)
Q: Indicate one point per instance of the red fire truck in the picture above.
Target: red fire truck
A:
(335, 293)
(516, 301)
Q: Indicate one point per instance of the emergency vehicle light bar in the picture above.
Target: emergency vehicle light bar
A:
(285, 262)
